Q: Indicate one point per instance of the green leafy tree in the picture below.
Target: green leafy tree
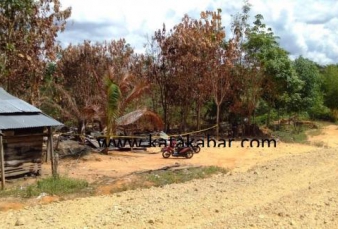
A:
(330, 86)
(280, 81)
(310, 93)
(263, 68)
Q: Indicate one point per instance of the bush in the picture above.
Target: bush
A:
(323, 113)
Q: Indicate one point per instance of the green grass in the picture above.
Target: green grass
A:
(291, 136)
(169, 177)
(64, 185)
(50, 185)
(61, 185)
(161, 178)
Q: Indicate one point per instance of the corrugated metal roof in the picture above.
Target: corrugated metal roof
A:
(17, 114)
(19, 121)
(11, 104)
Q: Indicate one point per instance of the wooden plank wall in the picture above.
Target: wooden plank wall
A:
(23, 153)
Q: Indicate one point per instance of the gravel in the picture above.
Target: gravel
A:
(294, 191)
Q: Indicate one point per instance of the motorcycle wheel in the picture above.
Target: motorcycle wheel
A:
(197, 149)
(189, 154)
(166, 154)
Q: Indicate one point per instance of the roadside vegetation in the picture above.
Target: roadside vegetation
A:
(48, 186)
(292, 134)
(65, 186)
(165, 177)
(161, 178)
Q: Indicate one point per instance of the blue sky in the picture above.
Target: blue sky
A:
(305, 27)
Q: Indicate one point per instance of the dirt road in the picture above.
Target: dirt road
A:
(95, 166)
(295, 191)
(291, 188)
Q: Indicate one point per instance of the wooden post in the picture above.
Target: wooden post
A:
(2, 161)
(51, 151)
(47, 156)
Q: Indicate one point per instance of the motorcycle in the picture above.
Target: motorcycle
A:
(175, 151)
(196, 148)
(186, 152)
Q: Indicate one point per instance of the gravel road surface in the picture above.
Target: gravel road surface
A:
(294, 191)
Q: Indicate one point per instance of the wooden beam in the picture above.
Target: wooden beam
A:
(24, 136)
(2, 162)
(51, 151)
(48, 152)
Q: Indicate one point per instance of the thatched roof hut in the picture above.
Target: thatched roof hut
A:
(140, 120)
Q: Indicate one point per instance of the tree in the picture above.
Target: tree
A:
(185, 50)
(80, 83)
(248, 70)
(279, 78)
(221, 57)
(166, 72)
(161, 73)
(85, 73)
(193, 61)
(311, 96)
(330, 86)
(28, 31)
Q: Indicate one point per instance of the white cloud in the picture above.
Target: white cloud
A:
(308, 28)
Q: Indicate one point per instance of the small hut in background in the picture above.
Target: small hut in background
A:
(139, 121)
(22, 129)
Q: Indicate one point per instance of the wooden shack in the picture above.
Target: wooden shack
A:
(22, 131)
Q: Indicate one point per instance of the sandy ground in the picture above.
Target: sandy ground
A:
(328, 137)
(290, 186)
(95, 166)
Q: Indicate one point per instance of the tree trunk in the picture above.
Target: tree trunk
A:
(198, 116)
(182, 120)
(217, 119)
(165, 110)
(278, 114)
(185, 117)
(268, 118)
(165, 118)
